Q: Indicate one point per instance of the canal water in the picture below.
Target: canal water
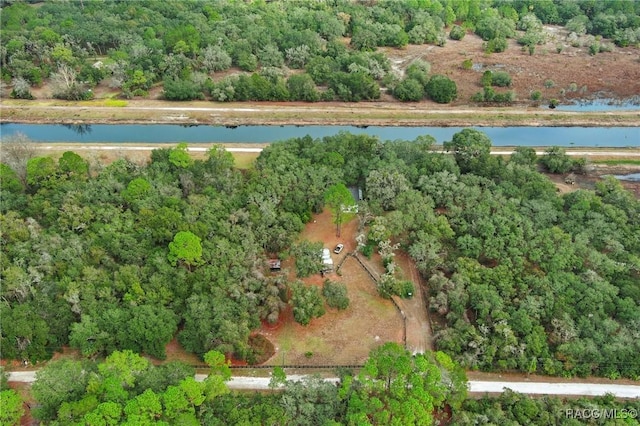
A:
(172, 133)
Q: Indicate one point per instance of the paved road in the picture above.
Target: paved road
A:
(476, 387)
(127, 147)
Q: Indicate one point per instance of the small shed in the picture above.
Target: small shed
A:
(275, 264)
(356, 192)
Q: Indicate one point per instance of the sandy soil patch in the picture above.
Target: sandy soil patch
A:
(613, 74)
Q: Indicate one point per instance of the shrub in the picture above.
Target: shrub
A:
(524, 156)
(442, 89)
(501, 79)
(419, 70)
(409, 90)
(477, 97)
(354, 87)
(328, 95)
(606, 47)
(467, 64)
(594, 48)
(457, 33)
(181, 90)
(302, 88)
(496, 45)
(536, 95)
(21, 89)
(549, 83)
(367, 250)
(335, 294)
(505, 97)
(555, 160)
(487, 79)
(406, 289)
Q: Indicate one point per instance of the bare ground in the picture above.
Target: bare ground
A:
(613, 74)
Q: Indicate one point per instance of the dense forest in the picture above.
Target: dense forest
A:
(278, 50)
(519, 276)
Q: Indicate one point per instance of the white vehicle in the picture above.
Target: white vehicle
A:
(338, 248)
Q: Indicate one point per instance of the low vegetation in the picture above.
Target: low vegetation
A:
(186, 48)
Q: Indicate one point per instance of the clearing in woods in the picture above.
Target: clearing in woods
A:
(338, 337)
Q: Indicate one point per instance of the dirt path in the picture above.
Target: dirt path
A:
(297, 113)
(419, 335)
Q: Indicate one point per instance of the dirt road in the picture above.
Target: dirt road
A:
(230, 148)
(299, 113)
(475, 386)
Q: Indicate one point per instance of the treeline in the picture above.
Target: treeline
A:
(182, 45)
(394, 387)
(517, 409)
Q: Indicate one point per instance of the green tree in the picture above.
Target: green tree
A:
(307, 303)
(384, 186)
(107, 413)
(187, 248)
(338, 197)
(179, 156)
(73, 165)
(470, 147)
(219, 373)
(312, 401)
(308, 258)
(40, 171)
(145, 408)
(335, 294)
(395, 387)
(12, 407)
(525, 156)
(556, 160)
(60, 381)
(409, 90)
(150, 329)
(441, 89)
(302, 88)
(9, 179)
(25, 334)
